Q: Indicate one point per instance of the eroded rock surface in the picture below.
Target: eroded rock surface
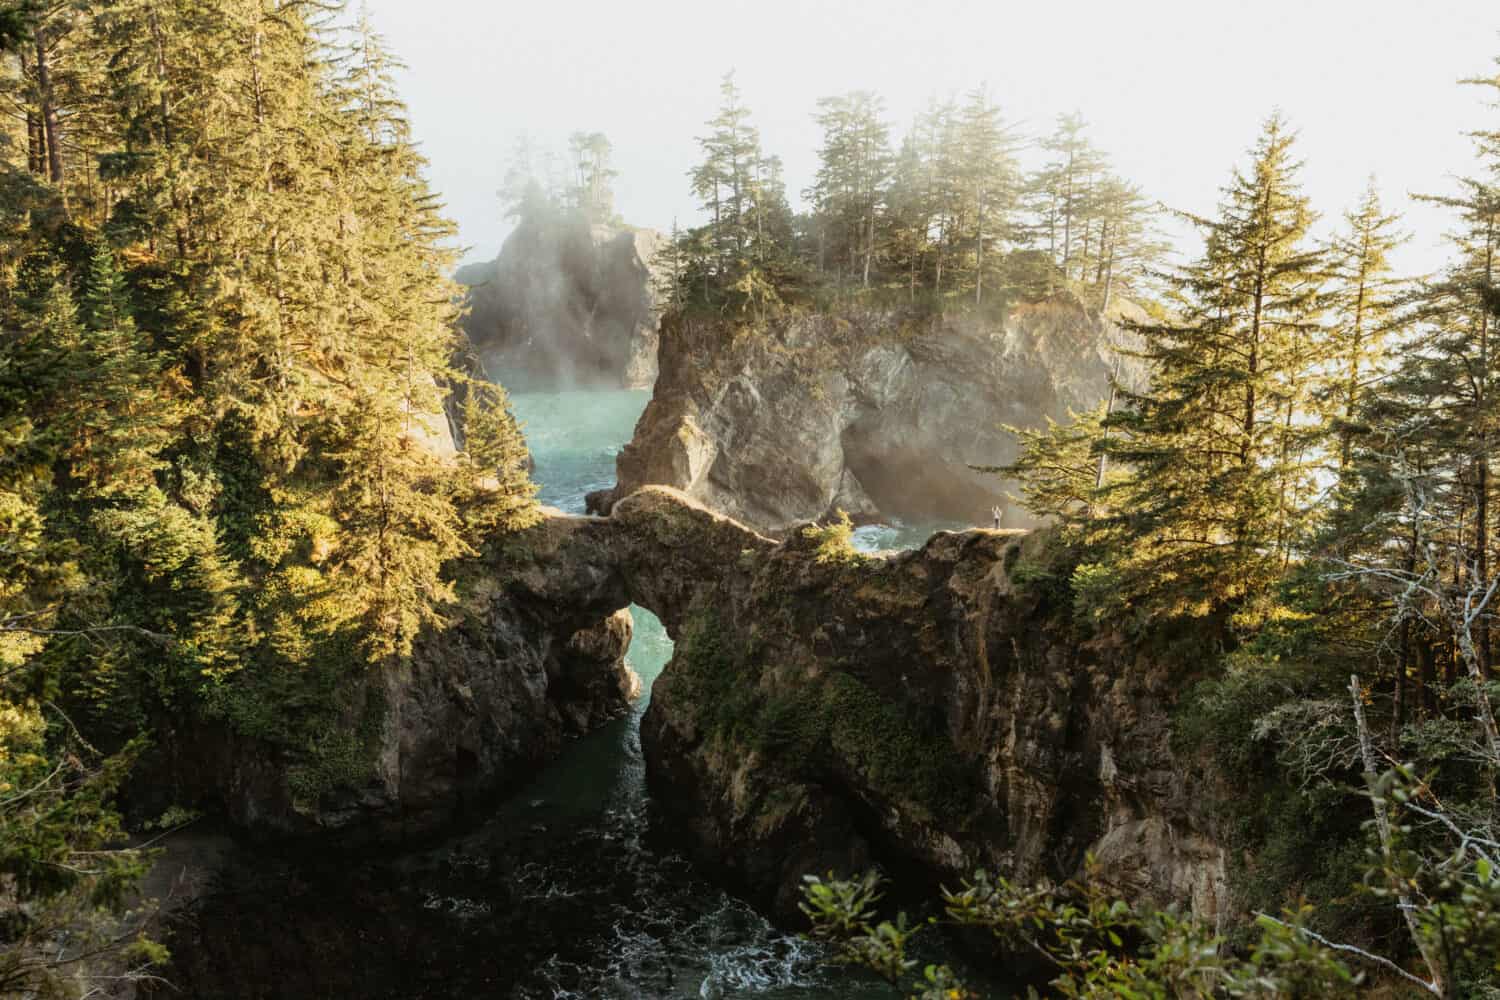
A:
(923, 709)
(881, 415)
(932, 710)
(474, 712)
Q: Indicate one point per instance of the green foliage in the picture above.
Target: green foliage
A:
(1059, 468)
(947, 222)
(813, 725)
(834, 541)
(221, 502)
(1093, 944)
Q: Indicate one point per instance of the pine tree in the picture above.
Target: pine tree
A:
(1066, 185)
(1217, 444)
(593, 194)
(495, 452)
(1453, 365)
(740, 259)
(1058, 469)
(988, 185)
(908, 217)
(1365, 298)
(855, 162)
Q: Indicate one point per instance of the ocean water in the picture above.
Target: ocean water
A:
(655, 928)
(563, 890)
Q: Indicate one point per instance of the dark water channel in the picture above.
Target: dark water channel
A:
(560, 893)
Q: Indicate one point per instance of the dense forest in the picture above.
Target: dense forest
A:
(945, 218)
(228, 336)
(243, 454)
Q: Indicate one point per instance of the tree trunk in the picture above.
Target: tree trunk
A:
(869, 242)
(1067, 258)
(1430, 957)
(1352, 389)
(1427, 653)
(1109, 408)
(1482, 514)
(942, 237)
(1109, 284)
(48, 109)
(979, 264)
(1398, 689)
(1403, 651)
(36, 145)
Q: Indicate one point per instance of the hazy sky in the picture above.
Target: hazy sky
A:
(1174, 89)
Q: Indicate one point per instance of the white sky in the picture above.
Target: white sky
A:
(1174, 89)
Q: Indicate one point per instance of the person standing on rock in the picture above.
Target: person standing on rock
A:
(996, 513)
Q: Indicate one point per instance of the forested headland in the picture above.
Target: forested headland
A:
(246, 461)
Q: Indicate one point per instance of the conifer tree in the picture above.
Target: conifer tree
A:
(1364, 299)
(1065, 185)
(850, 186)
(1216, 443)
(989, 184)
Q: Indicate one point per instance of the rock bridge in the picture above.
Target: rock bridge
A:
(923, 709)
(917, 709)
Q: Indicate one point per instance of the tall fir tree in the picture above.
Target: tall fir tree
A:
(1217, 443)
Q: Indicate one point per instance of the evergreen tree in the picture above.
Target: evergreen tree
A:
(1217, 444)
(594, 195)
(988, 183)
(850, 186)
(1364, 299)
(1065, 186)
(215, 496)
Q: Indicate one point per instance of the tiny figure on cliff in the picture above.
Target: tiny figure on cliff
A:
(996, 513)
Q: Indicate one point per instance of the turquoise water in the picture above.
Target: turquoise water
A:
(900, 535)
(561, 891)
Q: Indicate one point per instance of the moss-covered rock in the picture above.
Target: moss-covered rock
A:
(936, 708)
(933, 710)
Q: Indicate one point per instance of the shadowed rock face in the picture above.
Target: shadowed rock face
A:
(921, 709)
(566, 304)
(878, 414)
(473, 713)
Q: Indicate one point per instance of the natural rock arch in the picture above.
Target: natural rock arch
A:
(920, 708)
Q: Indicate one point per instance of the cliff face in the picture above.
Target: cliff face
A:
(922, 709)
(475, 711)
(877, 414)
(932, 710)
(566, 304)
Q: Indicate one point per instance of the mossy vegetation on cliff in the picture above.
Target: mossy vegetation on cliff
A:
(814, 723)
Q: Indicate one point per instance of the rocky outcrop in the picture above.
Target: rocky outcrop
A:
(924, 709)
(879, 414)
(931, 710)
(475, 710)
(567, 304)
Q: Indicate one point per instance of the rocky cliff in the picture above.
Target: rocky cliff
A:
(567, 304)
(932, 710)
(880, 414)
(475, 710)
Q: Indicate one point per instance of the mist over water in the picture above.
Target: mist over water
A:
(574, 437)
